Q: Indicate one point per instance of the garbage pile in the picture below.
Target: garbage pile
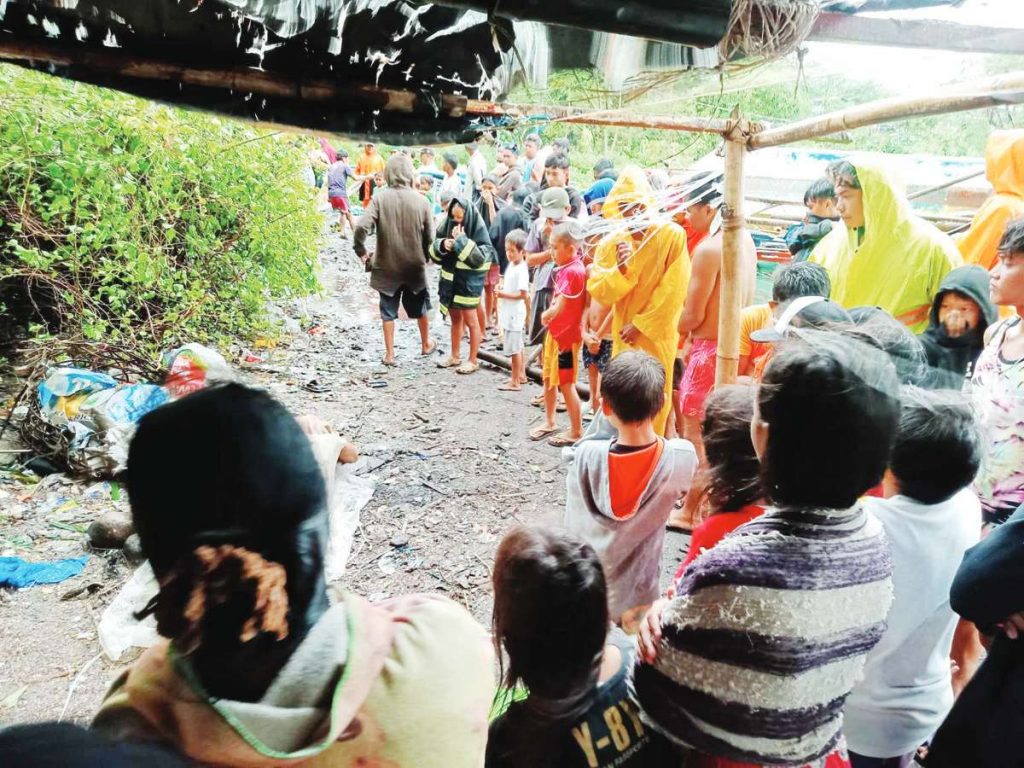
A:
(83, 420)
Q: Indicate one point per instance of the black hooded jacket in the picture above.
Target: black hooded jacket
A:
(950, 359)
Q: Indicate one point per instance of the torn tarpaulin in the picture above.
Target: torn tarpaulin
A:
(380, 67)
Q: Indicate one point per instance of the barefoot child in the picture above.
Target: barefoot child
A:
(563, 321)
(513, 295)
(619, 492)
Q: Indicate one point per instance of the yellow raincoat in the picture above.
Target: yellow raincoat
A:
(1004, 167)
(651, 292)
(900, 261)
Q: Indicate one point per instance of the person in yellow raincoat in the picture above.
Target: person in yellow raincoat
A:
(641, 271)
(1004, 167)
(885, 256)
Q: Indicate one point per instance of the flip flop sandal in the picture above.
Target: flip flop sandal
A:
(539, 433)
(562, 441)
(468, 368)
(507, 388)
(451, 362)
(538, 400)
(431, 350)
(389, 363)
(316, 387)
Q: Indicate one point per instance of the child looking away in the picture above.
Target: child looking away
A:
(620, 491)
(563, 321)
(513, 296)
(820, 199)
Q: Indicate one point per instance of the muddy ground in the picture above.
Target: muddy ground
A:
(453, 466)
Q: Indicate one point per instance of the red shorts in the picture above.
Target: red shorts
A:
(339, 203)
(699, 377)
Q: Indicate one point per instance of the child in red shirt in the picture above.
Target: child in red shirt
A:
(730, 484)
(564, 323)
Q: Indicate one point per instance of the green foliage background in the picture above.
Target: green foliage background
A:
(775, 94)
(134, 223)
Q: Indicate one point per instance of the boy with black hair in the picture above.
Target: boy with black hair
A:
(931, 517)
(620, 491)
(820, 200)
(451, 186)
(790, 281)
(564, 323)
(556, 175)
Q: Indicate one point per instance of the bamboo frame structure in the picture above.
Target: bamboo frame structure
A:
(730, 298)
(739, 134)
(992, 93)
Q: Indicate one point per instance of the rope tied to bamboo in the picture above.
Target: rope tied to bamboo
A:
(764, 30)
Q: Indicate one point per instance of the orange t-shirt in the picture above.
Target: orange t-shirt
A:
(367, 166)
(752, 319)
(628, 476)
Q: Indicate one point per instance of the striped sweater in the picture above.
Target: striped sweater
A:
(768, 635)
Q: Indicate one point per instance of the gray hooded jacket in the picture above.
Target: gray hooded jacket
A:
(403, 221)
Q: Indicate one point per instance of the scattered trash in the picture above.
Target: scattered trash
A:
(347, 497)
(377, 383)
(110, 530)
(133, 549)
(399, 540)
(64, 390)
(387, 565)
(119, 630)
(316, 330)
(248, 356)
(17, 573)
(316, 386)
(11, 701)
(193, 367)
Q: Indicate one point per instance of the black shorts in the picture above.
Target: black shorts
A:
(416, 304)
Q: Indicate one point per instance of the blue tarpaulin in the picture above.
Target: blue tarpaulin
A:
(17, 573)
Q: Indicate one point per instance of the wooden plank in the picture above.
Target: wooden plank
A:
(916, 33)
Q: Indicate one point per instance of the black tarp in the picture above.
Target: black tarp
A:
(429, 50)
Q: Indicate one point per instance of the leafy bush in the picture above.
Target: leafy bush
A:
(130, 222)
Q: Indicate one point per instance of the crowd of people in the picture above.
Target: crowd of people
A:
(851, 593)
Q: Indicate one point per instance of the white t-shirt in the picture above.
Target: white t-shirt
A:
(906, 690)
(477, 171)
(512, 312)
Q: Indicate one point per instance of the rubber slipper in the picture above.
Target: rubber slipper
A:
(451, 362)
(389, 363)
(673, 528)
(507, 388)
(539, 433)
(563, 441)
(431, 349)
(538, 400)
(467, 368)
(316, 387)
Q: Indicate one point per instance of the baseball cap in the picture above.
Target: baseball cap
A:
(553, 202)
(812, 311)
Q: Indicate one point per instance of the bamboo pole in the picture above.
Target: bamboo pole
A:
(1008, 89)
(730, 297)
(621, 118)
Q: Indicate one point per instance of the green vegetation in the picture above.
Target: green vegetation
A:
(142, 225)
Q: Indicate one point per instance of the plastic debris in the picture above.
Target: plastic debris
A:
(119, 630)
(193, 366)
(17, 573)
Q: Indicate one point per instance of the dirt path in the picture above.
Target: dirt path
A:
(453, 466)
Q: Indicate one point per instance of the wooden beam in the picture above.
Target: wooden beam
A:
(113, 64)
(916, 33)
(1001, 91)
(622, 118)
